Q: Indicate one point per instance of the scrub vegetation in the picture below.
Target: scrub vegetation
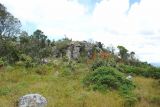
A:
(71, 73)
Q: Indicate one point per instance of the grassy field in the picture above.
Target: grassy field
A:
(63, 88)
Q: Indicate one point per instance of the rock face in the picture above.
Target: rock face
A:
(76, 48)
(73, 51)
(32, 100)
(76, 52)
(69, 53)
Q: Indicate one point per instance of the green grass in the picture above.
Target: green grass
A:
(66, 89)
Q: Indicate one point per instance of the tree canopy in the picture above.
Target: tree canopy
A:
(9, 25)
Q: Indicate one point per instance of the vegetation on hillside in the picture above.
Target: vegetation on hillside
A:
(71, 73)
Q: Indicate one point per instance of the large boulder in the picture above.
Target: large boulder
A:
(32, 100)
(76, 52)
(73, 50)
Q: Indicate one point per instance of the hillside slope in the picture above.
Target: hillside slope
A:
(63, 88)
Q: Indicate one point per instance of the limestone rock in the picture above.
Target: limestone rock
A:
(76, 52)
(32, 100)
(129, 77)
(73, 50)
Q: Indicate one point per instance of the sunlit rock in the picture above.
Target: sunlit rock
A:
(129, 77)
(32, 100)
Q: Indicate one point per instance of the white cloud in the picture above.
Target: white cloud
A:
(135, 29)
(112, 22)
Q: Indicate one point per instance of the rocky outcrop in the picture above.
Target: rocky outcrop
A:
(73, 50)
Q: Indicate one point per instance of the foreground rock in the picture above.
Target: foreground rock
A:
(32, 100)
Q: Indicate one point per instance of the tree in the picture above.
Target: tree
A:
(111, 49)
(62, 45)
(123, 52)
(9, 51)
(9, 28)
(132, 55)
(38, 38)
(24, 40)
(39, 46)
(100, 45)
(132, 59)
(9, 25)
(48, 42)
(53, 43)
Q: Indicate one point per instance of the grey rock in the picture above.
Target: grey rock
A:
(129, 77)
(73, 50)
(69, 53)
(32, 100)
(76, 52)
(45, 61)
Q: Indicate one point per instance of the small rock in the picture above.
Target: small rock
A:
(129, 77)
(32, 100)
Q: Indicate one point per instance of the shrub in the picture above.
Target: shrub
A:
(146, 72)
(127, 69)
(9, 68)
(126, 92)
(106, 78)
(65, 59)
(42, 70)
(20, 63)
(109, 62)
(71, 65)
(130, 101)
(98, 63)
(154, 72)
(26, 61)
(1, 62)
(4, 91)
(68, 68)
(65, 71)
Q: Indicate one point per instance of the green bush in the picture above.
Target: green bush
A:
(154, 72)
(65, 59)
(20, 63)
(127, 93)
(110, 62)
(146, 72)
(65, 71)
(98, 63)
(42, 70)
(127, 69)
(26, 61)
(68, 68)
(130, 101)
(4, 91)
(104, 78)
(1, 62)
(71, 65)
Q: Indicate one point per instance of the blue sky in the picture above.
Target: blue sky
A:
(100, 20)
(133, 1)
(90, 4)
